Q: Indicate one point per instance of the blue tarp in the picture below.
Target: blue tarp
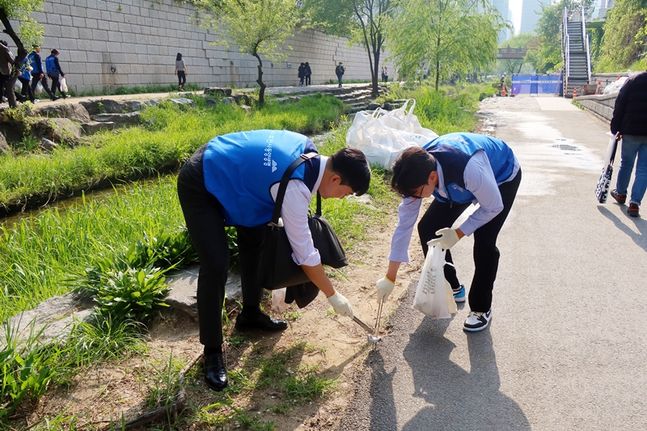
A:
(536, 84)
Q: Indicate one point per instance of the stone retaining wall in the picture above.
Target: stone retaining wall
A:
(106, 43)
(601, 104)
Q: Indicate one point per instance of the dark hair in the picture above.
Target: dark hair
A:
(179, 56)
(411, 170)
(352, 167)
(55, 51)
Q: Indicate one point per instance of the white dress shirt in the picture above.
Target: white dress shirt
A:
(479, 180)
(294, 213)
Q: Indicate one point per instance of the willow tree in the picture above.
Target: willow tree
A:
(363, 20)
(260, 28)
(30, 31)
(445, 37)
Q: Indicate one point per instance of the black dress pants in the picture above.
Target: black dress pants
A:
(486, 254)
(204, 218)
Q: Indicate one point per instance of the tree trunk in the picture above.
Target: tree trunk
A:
(8, 29)
(259, 80)
(375, 89)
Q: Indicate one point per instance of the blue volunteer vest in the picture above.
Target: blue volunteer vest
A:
(240, 168)
(454, 150)
(50, 65)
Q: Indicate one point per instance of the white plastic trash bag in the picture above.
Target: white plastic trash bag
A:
(434, 296)
(381, 135)
(63, 83)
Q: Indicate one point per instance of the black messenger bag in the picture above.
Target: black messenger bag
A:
(276, 269)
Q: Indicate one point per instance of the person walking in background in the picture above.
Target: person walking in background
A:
(7, 80)
(458, 169)
(180, 71)
(629, 122)
(339, 71)
(25, 77)
(37, 72)
(307, 73)
(302, 74)
(385, 74)
(55, 73)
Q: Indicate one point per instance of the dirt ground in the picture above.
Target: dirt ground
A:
(334, 345)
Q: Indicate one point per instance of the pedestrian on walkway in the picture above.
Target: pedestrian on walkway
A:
(302, 74)
(180, 71)
(630, 122)
(307, 73)
(339, 71)
(233, 181)
(55, 73)
(37, 72)
(385, 74)
(25, 78)
(7, 77)
(458, 169)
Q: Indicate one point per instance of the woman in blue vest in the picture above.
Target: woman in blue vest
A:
(55, 73)
(458, 169)
(233, 181)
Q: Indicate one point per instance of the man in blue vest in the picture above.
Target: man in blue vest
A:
(233, 181)
(458, 169)
(37, 72)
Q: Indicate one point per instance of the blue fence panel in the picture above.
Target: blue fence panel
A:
(536, 84)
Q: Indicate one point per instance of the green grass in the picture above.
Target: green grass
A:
(171, 135)
(451, 109)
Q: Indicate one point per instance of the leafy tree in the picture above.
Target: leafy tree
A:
(30, 31)
(625, 34)
(444, 37)
(258, 27)
(363, 20)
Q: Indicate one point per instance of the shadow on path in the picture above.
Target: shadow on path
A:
(639, 238)
(458, 399)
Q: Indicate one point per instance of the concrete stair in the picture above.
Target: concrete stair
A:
(355, 98)
(578, 61)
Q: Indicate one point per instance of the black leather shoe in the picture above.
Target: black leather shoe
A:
(215, 373)
(259, 321)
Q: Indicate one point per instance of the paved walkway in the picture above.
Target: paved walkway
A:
(567, 345)
(148, 96)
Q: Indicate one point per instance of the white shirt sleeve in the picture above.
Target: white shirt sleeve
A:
(294, 213)
(480, 181)
(407, 215)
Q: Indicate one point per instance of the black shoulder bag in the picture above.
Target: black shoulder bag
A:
(276, 268)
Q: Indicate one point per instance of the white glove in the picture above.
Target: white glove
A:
(341, 305)
(384, 288)
(448, 238)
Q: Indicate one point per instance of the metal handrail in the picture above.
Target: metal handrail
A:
(585, 40)
(565, 41)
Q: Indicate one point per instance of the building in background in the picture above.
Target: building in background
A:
(503, 6)
(530, 13)
(601, 9)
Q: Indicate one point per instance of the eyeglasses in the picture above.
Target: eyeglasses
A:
(417, 194)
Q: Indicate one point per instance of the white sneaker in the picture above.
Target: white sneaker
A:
(477, 321)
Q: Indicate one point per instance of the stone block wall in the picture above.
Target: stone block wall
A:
(105, 43)
(601, 105)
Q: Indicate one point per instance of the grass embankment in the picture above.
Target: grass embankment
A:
(116, 245)
(170, 135)
(451, 109)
